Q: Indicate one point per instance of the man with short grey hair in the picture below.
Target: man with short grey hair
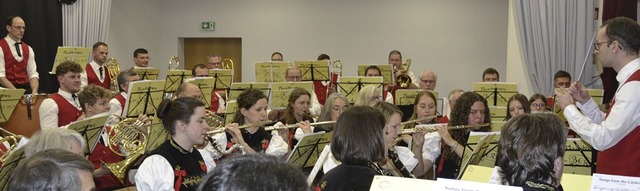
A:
(428, 80)
(53, 169)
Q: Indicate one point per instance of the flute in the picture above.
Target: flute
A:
(418, 120)
(433, 128)
(279, 127)
(222, 129)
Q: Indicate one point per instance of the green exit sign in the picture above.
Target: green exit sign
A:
(208, 26)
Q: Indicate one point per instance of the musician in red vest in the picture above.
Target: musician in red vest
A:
(119, 100)
(95, 71)
(17, 60)
(218, 104)
(616, 133)
(63, 107)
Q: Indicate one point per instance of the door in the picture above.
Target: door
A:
(196, 51)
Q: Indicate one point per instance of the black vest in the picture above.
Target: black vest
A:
(188, 167)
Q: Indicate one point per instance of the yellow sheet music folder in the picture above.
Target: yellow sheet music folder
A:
(408, 96)
(577, 157)
(387, 72)
(314, 70)
(488, 90)
(485, 157)
(147, 73)
(238, 88)
(230, 112)
(498, 113)
(205, 84)
(144, 97)
(157, 135)
(223, 78)
(280, 91)
(8, 100)
(271, 71)
(79, 55)
(90, 129)
(174, 79)
(349, 86)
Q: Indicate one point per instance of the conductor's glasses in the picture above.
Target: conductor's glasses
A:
(597, 44)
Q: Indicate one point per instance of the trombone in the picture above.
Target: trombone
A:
(433, 128)
(221, 129)
(279, 127)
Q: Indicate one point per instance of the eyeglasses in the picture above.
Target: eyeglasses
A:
(19, 27)
(538, 105)
(428, 81)
(596, 45)
(339, 108)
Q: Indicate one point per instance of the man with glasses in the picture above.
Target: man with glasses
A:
(428, 80)
(214, 62)
(17, 63)
(616, 133)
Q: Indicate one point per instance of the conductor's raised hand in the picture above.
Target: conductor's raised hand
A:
(579, 92)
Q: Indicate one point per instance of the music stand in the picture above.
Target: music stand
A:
(90, 129)
(498, 113)
(271, 71)
(8, 100)
(174, 79)
(144, 98)
(577, 157)
(307, 151)
(496, 93)
(147, 73)
(314, 70)
(79, 55)
(496, 126)
(205, 84)
(223, 79)
(279, 97)
(349, 86)
(230, 111)
(386, 69)
(319, 163)
(478, 149)
(157, 135)
(237, 88)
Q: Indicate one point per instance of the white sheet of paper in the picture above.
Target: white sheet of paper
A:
(383, 183)
(614, 182)
(460, 185)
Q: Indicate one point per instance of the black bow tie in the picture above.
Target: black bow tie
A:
(17, 44)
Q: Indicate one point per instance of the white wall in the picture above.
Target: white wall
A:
(456, 38)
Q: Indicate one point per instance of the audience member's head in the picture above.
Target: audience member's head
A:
(55, 170)
(55, 138)
(277, 56)
(561, 79)
(428, 80)
(254, 172)
(518, 104)
(531, 148)
(490, 75)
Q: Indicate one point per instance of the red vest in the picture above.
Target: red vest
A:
(102, 154)
(122, 101)
(16, 72)
(215, 102)
(622, 158)
(93, 78)
(321, 91)
(67, 113)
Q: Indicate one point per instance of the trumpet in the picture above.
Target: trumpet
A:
(227, 64)
(433, 128)
(221, 129)
(174, 62)
(277, 127)
(418, 120)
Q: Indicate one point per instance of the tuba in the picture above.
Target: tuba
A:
(126, 136)
(13, 140)
(114, 69)
(227, 64)
(174, 62)
(403, 80)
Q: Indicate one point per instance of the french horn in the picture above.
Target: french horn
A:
(13, 140)
(127, 140)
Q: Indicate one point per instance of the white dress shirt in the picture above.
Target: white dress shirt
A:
(116, 108)
(31, 63)
(156, 173)
(316, 108)
(96, 70)
(623, 118)
(49, 110)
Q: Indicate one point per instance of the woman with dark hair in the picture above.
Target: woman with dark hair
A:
(252, 109)
(538, 103)
(253, 173)
(470, 109)
(424, 106)
(401, 161)
(517, 105)
(297, 113)
(335, 105)
(176, 164)
(532, 162)
(358, 143)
